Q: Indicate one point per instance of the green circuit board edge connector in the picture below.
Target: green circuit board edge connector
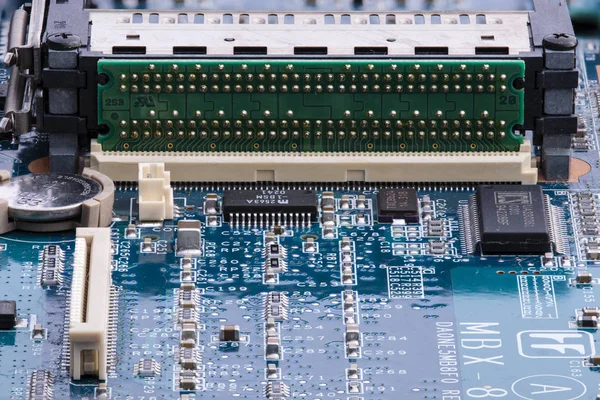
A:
(311, 105)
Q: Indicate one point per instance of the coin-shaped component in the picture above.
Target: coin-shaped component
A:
(47, 197)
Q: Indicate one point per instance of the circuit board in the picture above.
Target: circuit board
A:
(360, 307)
(286, 105)
(469, 326)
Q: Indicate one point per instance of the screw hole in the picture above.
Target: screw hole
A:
(519, 83)
(518, 130)
(102, 79)
(103, 129)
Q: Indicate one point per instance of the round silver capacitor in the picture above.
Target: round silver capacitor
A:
(47, 197)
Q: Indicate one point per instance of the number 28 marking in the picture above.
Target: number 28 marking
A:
(508, 100)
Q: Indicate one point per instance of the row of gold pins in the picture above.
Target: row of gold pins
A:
(433, 135)
(290, 67)
(485, 114)
(330, 124)
(313, 89)
(307, 78)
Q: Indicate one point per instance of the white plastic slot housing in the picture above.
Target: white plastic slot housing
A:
(90, 303)
(323, 167)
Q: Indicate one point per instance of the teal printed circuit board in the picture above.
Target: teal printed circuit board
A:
(416, 317)
(322, 291)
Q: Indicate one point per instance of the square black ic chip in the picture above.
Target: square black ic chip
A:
(8, 314)
(512, 220)
(397, 204)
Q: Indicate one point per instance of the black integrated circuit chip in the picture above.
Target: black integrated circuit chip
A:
(512, 220)
(398, 204)
(8, 314)
(287, 203)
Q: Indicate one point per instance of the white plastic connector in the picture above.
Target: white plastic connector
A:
(155, 199)
(325, 167)
(90, 303)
